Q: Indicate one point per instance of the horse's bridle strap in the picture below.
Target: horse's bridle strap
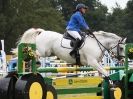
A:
(109, 50)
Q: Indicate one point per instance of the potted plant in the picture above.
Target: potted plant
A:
(28, 54)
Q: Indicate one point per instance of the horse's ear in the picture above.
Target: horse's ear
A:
(124, 40)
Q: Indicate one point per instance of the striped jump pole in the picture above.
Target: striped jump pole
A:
(73, 69)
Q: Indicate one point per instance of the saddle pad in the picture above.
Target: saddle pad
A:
(66, 43)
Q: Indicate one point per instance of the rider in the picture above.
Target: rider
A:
(76, 23)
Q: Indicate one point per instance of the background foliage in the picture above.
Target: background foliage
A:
(16, 16)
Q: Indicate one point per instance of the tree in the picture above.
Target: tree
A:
(68, 6)
(116, 22)
(97, 17)
(129, 20)
(18, 16)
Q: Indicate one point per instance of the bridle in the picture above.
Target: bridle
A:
(118, 49)
(118, 56)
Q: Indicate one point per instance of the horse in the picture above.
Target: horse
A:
(49, 43)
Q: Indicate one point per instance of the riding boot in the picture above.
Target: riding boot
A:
(75, 48)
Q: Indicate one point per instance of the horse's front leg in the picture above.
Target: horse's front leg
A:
(94, 63)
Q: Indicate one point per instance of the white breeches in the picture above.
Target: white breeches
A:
(74, 34)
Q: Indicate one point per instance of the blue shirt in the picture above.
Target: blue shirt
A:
(77, 22)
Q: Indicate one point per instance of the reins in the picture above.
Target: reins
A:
(99, 44)
(108, 50)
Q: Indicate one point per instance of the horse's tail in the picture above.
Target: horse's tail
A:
(29, 36)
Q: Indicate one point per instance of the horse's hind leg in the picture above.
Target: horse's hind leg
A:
(98, 67)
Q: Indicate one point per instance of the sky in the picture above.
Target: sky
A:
(112, 3)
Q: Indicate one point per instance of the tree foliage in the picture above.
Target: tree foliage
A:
(129, 20)
(18, 16)
(96, 18)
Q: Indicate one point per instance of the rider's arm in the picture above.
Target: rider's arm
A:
(82, 22)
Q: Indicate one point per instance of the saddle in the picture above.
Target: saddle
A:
(69, 37)
(73, 43)
(73, 40)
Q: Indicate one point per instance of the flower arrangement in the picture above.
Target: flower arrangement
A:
(28, 53)
(130, 53)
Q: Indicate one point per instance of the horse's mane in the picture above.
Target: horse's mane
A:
(106, 34)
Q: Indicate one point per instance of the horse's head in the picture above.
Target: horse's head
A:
(118, 48)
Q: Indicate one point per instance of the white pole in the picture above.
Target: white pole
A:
(2, 43)
(3, 54)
